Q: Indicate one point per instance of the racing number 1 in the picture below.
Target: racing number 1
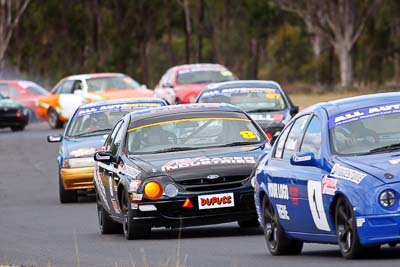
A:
(317, 206)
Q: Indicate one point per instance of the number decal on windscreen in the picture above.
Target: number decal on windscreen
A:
(248, 135)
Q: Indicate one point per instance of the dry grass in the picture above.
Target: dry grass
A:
(307, 99)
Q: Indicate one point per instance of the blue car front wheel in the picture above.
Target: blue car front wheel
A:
(347, 234)
(277, 242)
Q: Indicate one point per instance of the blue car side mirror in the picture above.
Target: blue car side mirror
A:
(303, 159)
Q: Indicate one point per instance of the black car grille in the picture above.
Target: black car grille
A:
(205, 184)
(5, 112)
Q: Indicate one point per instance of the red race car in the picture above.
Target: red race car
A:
(181, 84)
(25, 92)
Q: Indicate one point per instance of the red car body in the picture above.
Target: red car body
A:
(176, 86)
(25, 92)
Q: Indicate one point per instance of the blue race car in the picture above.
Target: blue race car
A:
(333, 176)
(84, 134)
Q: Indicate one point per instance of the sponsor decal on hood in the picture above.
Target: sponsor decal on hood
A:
(348, 174)
(206, 161)
(394, 161)
(83, 152)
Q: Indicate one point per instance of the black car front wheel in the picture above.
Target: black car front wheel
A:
(106, 224)
(132, 229)
(277, 242)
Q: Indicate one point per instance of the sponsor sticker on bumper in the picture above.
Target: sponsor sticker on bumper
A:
(216, 201)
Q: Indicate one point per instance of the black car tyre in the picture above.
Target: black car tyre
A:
(17, 128)
(66, 196)
(277, 242)
(106, 224)
(249, 223)
(31, 115)
(132, 230)
(346, 231)
(53, 119)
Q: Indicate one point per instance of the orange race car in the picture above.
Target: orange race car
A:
(75, 90)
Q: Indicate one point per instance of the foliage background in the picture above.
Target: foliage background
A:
(256, 39)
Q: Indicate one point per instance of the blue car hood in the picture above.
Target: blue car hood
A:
(380, 166)
(82, 146)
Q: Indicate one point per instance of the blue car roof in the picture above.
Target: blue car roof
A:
(242, 83)
(338, 106)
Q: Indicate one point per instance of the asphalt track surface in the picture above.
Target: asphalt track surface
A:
(36, 230)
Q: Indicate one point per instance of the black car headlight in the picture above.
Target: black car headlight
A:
(387, 198)
(170, 190)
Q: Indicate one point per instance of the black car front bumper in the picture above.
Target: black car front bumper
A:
(170, 213)
(9, 118)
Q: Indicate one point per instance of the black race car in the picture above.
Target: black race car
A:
(13, 114)
(178, 166)
(265, 101)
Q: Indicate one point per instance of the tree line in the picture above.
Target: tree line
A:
(318, 43)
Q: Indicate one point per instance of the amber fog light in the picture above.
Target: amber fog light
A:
(153, 190)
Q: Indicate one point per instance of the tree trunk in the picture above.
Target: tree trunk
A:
(95, 33)
(316, 41)
(396, 67)
(188, 31)
(144, 53)
(396, 40)
(345, 65)
(172, 56)
(254, 58)
(8, 22)
(200, 32)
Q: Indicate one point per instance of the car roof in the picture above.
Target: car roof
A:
(184, 108)
(16, 81)
(124, 101)
(241, 83)
(199, 65)
(93, 75)
(338, 106)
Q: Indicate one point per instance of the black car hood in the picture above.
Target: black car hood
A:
(202, 163)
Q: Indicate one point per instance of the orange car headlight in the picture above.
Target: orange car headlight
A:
(153, 190)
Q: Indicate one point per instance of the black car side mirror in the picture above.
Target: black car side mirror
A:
(54, 138)
(103, 156)
(294, 110)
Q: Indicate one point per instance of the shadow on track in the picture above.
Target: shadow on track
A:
(204, 232)
(385, 253)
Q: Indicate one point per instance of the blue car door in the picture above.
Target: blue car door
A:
(283, 193)
(310, 182)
